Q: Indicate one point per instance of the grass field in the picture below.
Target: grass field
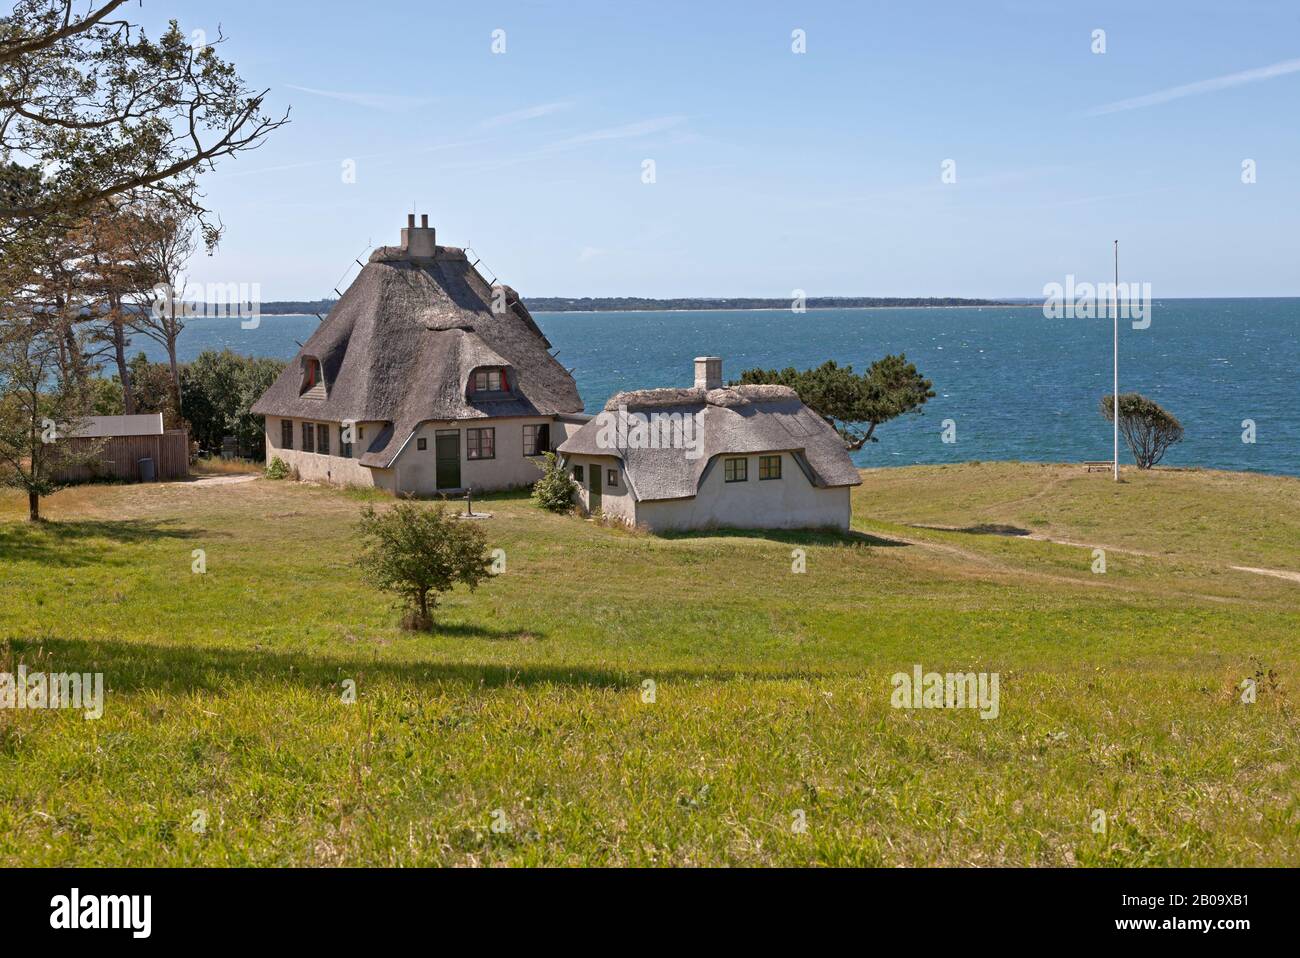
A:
(1119, 691)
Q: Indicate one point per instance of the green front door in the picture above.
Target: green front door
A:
(595, 488)
(447, 450)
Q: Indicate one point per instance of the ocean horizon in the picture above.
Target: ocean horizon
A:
(1016, 385)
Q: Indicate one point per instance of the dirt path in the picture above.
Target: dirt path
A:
(1276, 573)
(1279, 573)
(222, 480)
(1039, 537)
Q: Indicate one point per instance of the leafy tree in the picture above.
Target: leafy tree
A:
(418, 553)
(554, 491)
(217, 391)
(162, 243)
(38, 407)
(1148, 428)
(108, 274)
(151, 386)
(45, 291)
(889, 388)
(103, 110)
(256, 377)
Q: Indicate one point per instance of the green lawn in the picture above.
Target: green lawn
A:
(1119, 691)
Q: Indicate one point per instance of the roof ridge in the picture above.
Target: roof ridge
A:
(727, 396)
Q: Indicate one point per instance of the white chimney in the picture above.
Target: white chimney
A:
(419, 240)
(708, 372)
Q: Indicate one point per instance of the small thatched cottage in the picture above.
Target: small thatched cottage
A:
(423, 379)
(739, 456)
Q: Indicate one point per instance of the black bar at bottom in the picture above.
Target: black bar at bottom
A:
(941, 906)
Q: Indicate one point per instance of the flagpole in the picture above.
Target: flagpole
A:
(1115, 401)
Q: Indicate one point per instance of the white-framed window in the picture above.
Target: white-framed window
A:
(480, 443)
(489, 380)
(537, 438)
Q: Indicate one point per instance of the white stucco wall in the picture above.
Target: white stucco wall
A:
(416, 469)
(791, 502)
(565, 426)
(315, 467)
(615, 501)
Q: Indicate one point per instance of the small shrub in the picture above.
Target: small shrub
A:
(418, 553)
(554, 491)
(277, 468)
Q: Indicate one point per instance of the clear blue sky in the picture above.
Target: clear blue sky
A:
(775, 171)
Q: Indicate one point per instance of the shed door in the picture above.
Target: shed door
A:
(594, 476)
(447, 452)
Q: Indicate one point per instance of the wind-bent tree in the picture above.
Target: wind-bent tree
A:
(1148, 428)
(854, 404)
(102, 110)
(420, 553)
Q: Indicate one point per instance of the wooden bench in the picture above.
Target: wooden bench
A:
(1099, 465)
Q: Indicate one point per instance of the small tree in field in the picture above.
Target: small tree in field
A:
(554, 491)
(1148, 428)
(38, 408)
(419, 553)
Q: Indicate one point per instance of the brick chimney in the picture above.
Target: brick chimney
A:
(419, 240)
(708, 372)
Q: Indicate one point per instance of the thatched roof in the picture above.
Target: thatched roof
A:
(400, 345)
(735, 420)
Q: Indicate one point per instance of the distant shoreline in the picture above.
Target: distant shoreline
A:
(631, 304)
(556, 304)
(775, 309)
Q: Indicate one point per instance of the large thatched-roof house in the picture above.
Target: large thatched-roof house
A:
(424, 378)
(739, 456)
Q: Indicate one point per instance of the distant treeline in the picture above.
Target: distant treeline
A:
(560, 304)
(287, 307)
(614, 304)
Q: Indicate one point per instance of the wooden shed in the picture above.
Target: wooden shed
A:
(119, 445)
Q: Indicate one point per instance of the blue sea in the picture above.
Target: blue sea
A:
(1016, 385)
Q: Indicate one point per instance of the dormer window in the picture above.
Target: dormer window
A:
(491, 379)
(311, 377)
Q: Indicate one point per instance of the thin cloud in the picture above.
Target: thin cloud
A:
(530, 113)
(624, 132)
(385, 155)
(385, 102)
(1201, 86)
(1104, 197)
